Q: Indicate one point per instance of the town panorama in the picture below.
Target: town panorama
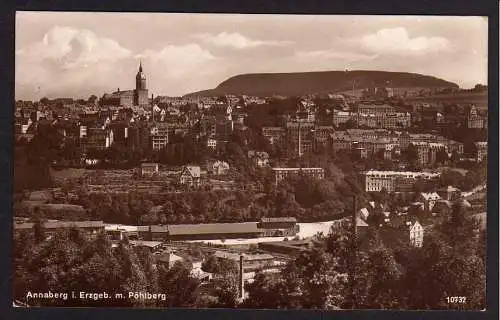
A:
(368, 194)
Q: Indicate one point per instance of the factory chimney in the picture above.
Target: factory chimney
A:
(241, 282)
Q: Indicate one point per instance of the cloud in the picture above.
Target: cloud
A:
(73, 48)
(67, 61)
(397, 41)
(177, 61)
(77, 62)
(236, 40)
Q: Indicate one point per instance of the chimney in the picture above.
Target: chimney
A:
(241, 281)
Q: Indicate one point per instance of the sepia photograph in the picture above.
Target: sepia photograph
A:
(250, 161)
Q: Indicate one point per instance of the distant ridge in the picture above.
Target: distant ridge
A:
(303, 83)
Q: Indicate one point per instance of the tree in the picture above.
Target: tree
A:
(411, 155)
(92, 99)
(181, 289)
(450, 178)
(378, 274)
(38, 227)
(225, 285)
(470, 148)
(313, 280)
(286, 206)
(324, 285)
(442, 156)
(45, 101)
(265, 292)
(219, 266)
(437, 270)
(68, 260)
(42, 150)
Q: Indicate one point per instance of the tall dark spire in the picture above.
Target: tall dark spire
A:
(140, 65)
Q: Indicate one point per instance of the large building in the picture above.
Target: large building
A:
(281, 174)
(374, 108)
(279, 227)
(97, 139)
(300, 135)
(391, 181)
(274, 135)
(481, 150)
(129, 98)
(160, 135)
(373, 117)
(51, 227)
(475, 120)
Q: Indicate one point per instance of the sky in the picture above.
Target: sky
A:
(63, 54)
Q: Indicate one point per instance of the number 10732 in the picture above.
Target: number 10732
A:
(456, 299)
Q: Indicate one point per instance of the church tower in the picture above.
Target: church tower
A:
(141, 91)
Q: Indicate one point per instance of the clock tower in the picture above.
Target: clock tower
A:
(141, 91)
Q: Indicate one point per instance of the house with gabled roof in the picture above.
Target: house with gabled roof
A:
(259, 158)
(190, 176)
(364, 214)
(399, 229)
(429, 200)
(416, 233)
(217, 167)
(167, 259)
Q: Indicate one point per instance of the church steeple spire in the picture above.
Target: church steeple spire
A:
(141, 91)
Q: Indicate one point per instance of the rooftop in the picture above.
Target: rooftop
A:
(279, 219)
(360, 222)
(147, 164)
(295, 169)
(141, 243)
(194, 171)
(402, 173)
(168, 258)
(430, 196)
(213, 228)
(61, 224)
(246, 257)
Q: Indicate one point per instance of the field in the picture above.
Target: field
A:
(68, 174)
(480, 99)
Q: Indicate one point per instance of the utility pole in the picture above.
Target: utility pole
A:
(300, 142)
(241, 281)
(354, 249)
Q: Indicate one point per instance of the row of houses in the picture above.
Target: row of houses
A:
(392, 120)
(366, 143)
(392, 181)
(281, 174)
